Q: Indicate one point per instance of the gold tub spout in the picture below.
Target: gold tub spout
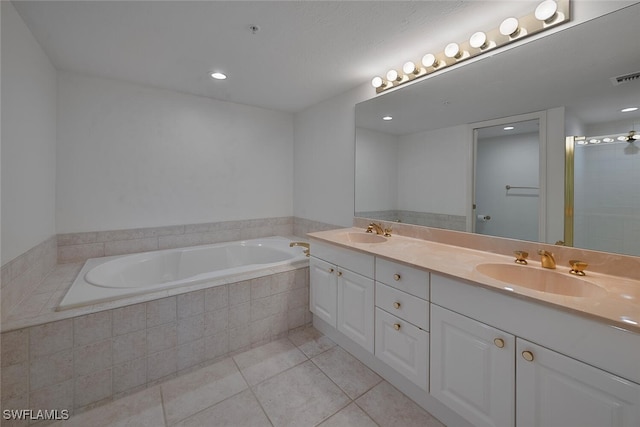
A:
(546, 259)
(303, 244)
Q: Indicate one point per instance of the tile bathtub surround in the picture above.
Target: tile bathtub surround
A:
(87, 360)
(277, 384)
(302, 226)
(601, 262)
(24, 273)
(78, 247)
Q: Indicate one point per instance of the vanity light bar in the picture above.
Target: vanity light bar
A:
(548, 14)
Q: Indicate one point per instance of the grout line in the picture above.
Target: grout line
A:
(164, 410)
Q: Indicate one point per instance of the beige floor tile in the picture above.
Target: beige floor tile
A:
(140, 409)
(351, 416)
(389, 407)
(241, 410)
(302, 396)
(270, 359)
(311, 341)
(351, 375)
(191, 393)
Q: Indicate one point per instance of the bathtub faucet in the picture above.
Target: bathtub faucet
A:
(303, 244)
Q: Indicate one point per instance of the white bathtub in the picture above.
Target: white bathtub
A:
(111, 278)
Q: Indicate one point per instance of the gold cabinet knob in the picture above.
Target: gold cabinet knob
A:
(331, 270)
(396, 305)
(528, 356)
(396, 277)
(339, 273)
(396, 326)
(499, 342)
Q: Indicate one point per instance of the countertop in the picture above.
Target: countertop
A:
(618, 306)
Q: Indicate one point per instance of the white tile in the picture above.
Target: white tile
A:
(162, 337)
(93, 357)
(130, 346)
(129, 319)
(91, 328)
(50, 338)
(51, 369)
(311, 341)
(161, 311)
(351, 375)
(190, 304)
(241, 410)
(265, 361)
(351, 416)
(92, 388)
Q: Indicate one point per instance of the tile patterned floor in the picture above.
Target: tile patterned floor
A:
(301, 380)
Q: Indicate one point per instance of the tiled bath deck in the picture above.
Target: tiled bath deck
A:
(300, 380)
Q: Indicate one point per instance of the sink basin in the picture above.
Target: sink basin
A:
(353, 237)
(541, 280)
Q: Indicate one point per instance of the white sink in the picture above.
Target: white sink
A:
(355, 237)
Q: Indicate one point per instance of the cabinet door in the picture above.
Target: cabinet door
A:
(355, 307)
(323, 283)
(472, 368)
(555, 390)
(403, 346)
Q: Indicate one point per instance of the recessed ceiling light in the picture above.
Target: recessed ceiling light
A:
(628, 110)
(387, 118)
(508, 128)
(217, 75)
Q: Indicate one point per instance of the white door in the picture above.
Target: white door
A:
(323, 295)
(355, 307)
(555, 390)
(472, 368)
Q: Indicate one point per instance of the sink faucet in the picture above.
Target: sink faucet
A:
(303, 244)
(547, 259)
(379, 230)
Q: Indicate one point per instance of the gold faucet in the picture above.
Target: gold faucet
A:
(303, 244)
(379, 230)
(546, 259)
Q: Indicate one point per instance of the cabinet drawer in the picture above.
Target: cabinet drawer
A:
(403, 347)
(403, 305)
(403, 277)
(355, 261)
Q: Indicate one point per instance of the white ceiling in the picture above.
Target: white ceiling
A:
(305, 51)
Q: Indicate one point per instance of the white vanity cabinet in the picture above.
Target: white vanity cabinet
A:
(342, 291)
(472, 368)
(484, 366)
(402, 320)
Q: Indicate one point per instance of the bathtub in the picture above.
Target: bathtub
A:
(112, 278)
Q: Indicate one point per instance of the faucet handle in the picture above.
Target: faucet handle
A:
(370, 228)
(387, 232)
(521, 257)
(578, 267)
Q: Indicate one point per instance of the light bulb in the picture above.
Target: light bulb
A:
(377, 82)
(509, 27)
(608, 140)
(387, 118)
(628, 110)
(410, 68)
(392, 75)
(478, 40)
(217, 75)
(429, 60)
(546, 11)
(452, 50)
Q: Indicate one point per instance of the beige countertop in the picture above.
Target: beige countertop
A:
(618, 304)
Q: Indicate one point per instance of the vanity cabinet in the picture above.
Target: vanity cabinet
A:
(493, 375)
(342, 291)
(472, 368)
(402, 320)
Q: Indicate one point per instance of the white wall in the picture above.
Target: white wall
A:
(28, 138)
(132, 156)
(434, 173)
(324, 159)
(376, 171)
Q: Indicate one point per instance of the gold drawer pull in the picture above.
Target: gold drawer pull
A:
(396, 305)
(396, 326)
(331, 270)
(339, 273)
(499, 342)
(528, 356)
(396, 277)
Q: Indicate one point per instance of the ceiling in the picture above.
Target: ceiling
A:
(305, 51)
(571, 68)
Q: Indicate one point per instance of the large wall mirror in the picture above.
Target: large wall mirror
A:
(418, 166)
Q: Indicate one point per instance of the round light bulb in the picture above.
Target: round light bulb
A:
(410, 68)
(622, 138)
(608, 140)
(452, 50)
(387, 118)
(429, 60)
(582, 142)
(377, 82)
(594, 141)
(218, 76)
(478, 40)
(392, 75)
(509, 27)
(546, 11)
